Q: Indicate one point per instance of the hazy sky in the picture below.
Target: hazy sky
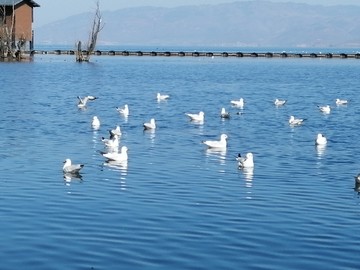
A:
(59, 9)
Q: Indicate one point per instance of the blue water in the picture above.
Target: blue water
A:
(177, 205)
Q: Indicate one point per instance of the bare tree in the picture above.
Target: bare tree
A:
(97, 26)
(10, 48)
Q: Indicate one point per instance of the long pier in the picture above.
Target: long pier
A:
(208, 54)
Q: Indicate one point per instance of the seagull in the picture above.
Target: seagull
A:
(325, 109)
(279, 102)
(115, 131)
(217, 144)
(357, 179)
(161, 97)
(198, 117)
(71, 168)
(83, 101)
(150, 125)
(245, 162)
(295, 121)
(115, 156)
(224, 113)
(320, 139)
(124, 111)
(95, 123)
(112, 142)
(238, 103)
(341, 101)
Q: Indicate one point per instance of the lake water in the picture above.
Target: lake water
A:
(176, 205)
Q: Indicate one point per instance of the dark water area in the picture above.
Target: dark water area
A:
(175, 204)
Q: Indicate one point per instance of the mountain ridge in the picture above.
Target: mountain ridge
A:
(251, 23)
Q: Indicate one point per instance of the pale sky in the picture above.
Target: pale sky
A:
(53, 10)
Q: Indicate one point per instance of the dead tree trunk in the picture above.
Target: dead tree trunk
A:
(97, 26)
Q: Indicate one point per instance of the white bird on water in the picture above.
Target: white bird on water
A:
(112, 142)
(124, 111)
(162, 97)
(295, 121)
(279, 102)
(83, 101)
(117, 156)
(320, 139)
(245, 162)
(150, 125)
(341, 101)
(325, 109)
(238, 103)
(95, 123)
(224, 113)
(222, 143)
(197, 117)
(115, 131)
(71, 168)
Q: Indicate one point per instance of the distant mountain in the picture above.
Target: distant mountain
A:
(252, 23)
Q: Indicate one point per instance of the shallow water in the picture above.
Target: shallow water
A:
(176, 205)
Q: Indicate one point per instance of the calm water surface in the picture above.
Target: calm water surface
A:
(176, 205)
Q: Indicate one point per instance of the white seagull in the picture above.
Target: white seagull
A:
(197, 117)
(341, 101)
(95, 123)
(245, 162)
(222, 143)
(112, 142)
(295, 121)
(71, 168)
(150, 125)
(83, 101)
(279, 102)
(224, 113)
(115, 131)
(357, 179)
(238, 103)
(320, 139)
(124, 111)
(325, 109)
(115, 156)
(161, 97)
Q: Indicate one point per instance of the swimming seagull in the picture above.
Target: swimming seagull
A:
(197, 117)
(150, 125)
(238, 103)
(112, 142)
(124, 111)
(71, 168)
(357, 179)
(117, 156)
(224, 113)
(295, 121)
(325, 109)
(222, 143)
(341, 101)
(320, 139)
(83, 101)
(115, 131)
(95, 123)
(279, 102)
(245, 162)
(161, 97)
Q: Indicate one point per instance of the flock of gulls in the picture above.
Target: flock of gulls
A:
(119, 155)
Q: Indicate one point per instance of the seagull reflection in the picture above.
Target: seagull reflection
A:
(117, 165)
(150, 133)
(68, 177)
(320, 150)
(218, 153)
(249, 175)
